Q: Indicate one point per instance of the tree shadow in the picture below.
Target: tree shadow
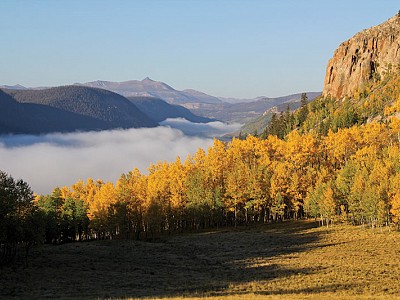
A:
(208, 263)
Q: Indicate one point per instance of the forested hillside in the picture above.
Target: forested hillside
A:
(257, 125)
(30, 118)
(100, 105)
(373, 102)
(244, 112)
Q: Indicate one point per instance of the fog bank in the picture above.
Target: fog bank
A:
(54, 160)
(209, 130)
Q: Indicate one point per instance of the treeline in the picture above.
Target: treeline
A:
(351, 175)
(21, 222)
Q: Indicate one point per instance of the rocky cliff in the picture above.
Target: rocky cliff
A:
(366, 56)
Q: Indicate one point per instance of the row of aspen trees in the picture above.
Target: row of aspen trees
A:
(352, 175)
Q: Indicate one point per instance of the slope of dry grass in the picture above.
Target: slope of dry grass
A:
(294, 260)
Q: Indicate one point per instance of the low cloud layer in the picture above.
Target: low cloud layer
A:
(62, 159)
(210, 129)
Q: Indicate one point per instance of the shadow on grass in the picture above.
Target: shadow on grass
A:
(185, 265)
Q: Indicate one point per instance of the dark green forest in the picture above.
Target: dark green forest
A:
(67, 109)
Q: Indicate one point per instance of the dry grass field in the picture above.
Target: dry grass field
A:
(292, 260)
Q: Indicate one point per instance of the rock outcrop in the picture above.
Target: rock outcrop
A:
(366, 56)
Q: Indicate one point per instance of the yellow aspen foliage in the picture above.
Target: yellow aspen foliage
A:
(394, 197)
(65, 192)
(294, 192)
(392, 109)
(395, 126)
(91, 188)
(352, 173)
(375, 134)
(235, 188)
(78, 191)
(103, 199)
(280, 182)
(131, 192)
(327, 206)
(237, 177)
(177, 176)
(199, 158)
(366, 156)
(356, 195)
(339, 147)
(131, 188)
(215, 161)
(395, 209)
(263, 155)
(275, 148)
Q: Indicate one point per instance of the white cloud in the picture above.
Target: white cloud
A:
(210, 129)
(54, 160)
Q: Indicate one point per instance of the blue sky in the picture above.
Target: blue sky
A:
(229, 48)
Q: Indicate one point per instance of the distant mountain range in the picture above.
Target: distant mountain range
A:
(154, 99)
(224, 109)
(246, 111)
(150, 88)
(159, 110)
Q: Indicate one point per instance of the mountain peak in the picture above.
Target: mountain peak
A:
(148, 79)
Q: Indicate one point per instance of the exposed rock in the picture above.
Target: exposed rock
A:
(366, 56)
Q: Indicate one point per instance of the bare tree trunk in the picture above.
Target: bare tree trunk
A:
(235, 217)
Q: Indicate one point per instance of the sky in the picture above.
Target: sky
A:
(226, 48)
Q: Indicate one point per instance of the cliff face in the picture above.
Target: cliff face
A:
(367, 55)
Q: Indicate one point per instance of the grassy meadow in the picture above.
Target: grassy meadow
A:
(291, 260)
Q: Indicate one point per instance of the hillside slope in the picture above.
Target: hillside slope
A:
(67, 109)
(30, 118)
(159, 110)
(100, 105)
(257, 125)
